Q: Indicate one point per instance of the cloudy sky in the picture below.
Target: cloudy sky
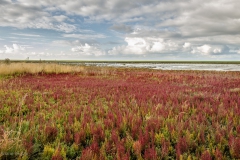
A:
(120, 29)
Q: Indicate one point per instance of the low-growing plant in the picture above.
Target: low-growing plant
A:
(105, 113)
(7, 61)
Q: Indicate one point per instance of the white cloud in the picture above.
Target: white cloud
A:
(64, 27)
(189, 17)
(47, 24)
(60, 18)
(211, 50)
(217, 50)
(146, 45)
(72, 43)
(84, 36)
(26, 14)
(186, 45)
(63, 42)
(235, 51)
(206, 27)
(26, 35)
(15, 49)
(88, 50)
(149, 45)
(204, 50)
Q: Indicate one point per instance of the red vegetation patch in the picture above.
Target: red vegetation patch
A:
(131, 113)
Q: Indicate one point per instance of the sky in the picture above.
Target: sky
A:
(120, 30)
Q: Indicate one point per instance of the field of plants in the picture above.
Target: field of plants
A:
(120, 114)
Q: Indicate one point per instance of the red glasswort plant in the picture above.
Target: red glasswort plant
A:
(124, 114)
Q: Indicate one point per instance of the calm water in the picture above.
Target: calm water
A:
(172, 66)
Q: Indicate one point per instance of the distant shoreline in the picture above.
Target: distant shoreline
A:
(103, 61)
(156, 65)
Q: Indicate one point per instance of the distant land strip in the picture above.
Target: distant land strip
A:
(103, 61)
